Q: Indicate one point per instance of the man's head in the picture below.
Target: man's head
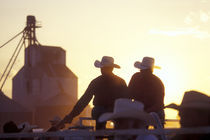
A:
(10, 127)
(146, 64)
(194, 110)
(192, 117)
(106, 64)
(106, 70)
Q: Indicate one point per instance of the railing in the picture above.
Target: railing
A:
(82, 132)
(92, 134)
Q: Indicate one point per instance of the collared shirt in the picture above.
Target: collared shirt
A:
(148, 89)
(105, 89)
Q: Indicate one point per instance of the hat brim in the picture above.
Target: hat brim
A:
(98, 64)
(139, 65)
(141, 115)
(173, 106)
(189, 105)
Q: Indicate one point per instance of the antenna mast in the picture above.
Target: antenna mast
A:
(30, 30)
(29, 34)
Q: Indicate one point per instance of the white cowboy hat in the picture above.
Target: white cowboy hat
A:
(192, 99)
(147, 63)
(126, 108)
(106, 61)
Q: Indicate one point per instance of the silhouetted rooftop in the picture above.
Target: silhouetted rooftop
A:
(9, 105)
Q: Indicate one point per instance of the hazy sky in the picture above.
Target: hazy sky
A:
(175, 32)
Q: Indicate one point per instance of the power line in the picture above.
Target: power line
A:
(11, 39)
(11, 59)
(12, 64)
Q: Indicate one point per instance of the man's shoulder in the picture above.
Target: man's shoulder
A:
(103, 78)
(137, 75)
(95, 80)
(119, 80)
(156, 78)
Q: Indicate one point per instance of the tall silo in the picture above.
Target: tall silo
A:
(44, 75)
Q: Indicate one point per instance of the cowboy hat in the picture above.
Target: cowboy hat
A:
(106, 61)
(192, 99)
(147, 63)
(126, 108)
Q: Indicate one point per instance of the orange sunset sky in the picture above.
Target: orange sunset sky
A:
(175, 32)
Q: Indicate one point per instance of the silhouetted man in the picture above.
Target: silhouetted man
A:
(105, 89)
(147, 88)
(194, 112)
